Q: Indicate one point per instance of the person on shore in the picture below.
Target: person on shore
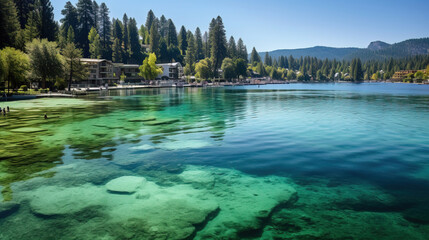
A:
(46, 116)
(4, 111)
(7, 108)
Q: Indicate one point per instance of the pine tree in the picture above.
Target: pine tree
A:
(232, 48)
(218, 45)
(23, 7)
(9, 24)
(94, 44)
(31, 30)
(183, 42)
(254, 57)
(149, 20)
(172, 34)
(105, 31)
(70, 35)
(74, 69)
(125, 38)
(116, 51)
(96, 15)
(48, 26)
(164, 55)
(267, 60)
(206, 45)
(199, 52)
(242, 50)
(135, 47)
(163, 26)
(190, 54)
(154, 39)
(210, 36)
(70, 19)
(86, 22)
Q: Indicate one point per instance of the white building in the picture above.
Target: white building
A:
(170, 71)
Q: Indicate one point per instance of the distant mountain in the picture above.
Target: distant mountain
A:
(319, 52)
(377, 50)
(406, 48)
(378, 45)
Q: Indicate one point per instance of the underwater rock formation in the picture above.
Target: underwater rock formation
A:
(201, 203)
(126, 184)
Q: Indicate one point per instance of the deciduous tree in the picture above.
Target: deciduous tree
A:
(149, 70)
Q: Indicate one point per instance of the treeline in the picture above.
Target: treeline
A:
(88, 26)
(311, 68)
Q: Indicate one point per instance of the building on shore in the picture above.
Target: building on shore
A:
(401, 75)
(100, 71)
(170, 71)
(130, 71)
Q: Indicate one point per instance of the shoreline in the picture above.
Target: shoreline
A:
(80, 92)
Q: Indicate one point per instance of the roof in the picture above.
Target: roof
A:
(176, 64)
(122, 65)
(94, 60)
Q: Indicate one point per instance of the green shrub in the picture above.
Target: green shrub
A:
(23, 88)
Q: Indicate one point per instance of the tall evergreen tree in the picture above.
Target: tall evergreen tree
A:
(154, 39)
(172, 34)
(149, 20)
(86, 22)
(23, 7)
(232, 48)
(190, 54)
(163, 26)
(218, 45)
(199, 52)
(183, 42)
(241, 50)
(105, 31)
(9, 24)
(116, 51)
(96, 15)
(210, 36)
(70, 35)
(267, 60)
(74, 69)
(135, 47)
(48, 28)
(206, 45)
(254, 57)
(94, 44)
(125, 38)
(164, 55)
(70, 19)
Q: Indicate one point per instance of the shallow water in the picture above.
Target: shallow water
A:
(296, 161)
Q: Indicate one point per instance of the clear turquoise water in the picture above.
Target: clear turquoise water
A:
(356, 154)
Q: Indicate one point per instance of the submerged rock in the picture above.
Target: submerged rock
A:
(126, 184)
(54, 200)
(27, 130)
(8, 208)
(245, 202)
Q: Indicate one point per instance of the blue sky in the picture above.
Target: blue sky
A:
(276, 24)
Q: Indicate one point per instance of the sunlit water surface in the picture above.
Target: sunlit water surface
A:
(296, 161)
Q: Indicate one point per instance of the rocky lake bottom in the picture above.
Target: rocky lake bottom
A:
(217, 164)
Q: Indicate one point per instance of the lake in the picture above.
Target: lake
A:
(294, 161)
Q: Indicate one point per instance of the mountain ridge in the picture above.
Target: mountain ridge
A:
(377, 50)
